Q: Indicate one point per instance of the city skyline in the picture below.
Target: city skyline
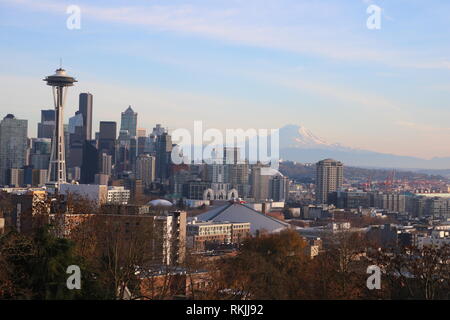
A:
(384, 86)
(237, 150)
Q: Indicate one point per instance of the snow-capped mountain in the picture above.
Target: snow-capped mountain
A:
(297, 143)
(293, 136)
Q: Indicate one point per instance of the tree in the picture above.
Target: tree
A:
(266, 268)
(16, 252)
(116, 247)
(414, 273)
(34, 267)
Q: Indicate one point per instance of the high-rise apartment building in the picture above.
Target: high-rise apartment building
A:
(278, 187)
(13, 146)
(394, 202)
(329, 178)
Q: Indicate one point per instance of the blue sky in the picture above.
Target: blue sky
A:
(242, 64)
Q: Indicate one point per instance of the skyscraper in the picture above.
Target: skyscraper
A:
(40, 153)
(46, 127)
(163, 156)
(231, 155)
(105, 163)
(13, 146)
(85, 108)
(329, 178)
(142, 141)
(124, 152)
(76, 124)
(151, 142)
(76, 140)
(238, 176)
(145, 169)
(80, 131)
(108, 130)
(107, 138)
(260, 178)
(236, 170)
(89, 166)
(278, 187)
(141, 132)
(129, 121)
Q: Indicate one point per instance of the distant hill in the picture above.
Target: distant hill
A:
(307, 173)
(299, 144)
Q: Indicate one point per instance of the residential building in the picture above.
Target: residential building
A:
(329, 178)
(96, 194)
(117, 195)
(278, 188)
(203, 235)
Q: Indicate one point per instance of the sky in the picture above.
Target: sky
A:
(241, 64)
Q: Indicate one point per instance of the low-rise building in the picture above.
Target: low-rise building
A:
(117, 195)
(24, 206)
(437, 238)
(238, 212)
(201, 234)
(339, 226)
(167, 240)
(95, 193)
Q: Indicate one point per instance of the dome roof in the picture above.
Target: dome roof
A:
(160, 203)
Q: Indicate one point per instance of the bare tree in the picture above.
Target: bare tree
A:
(415, 273)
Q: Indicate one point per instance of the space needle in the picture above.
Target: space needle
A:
(59, 82)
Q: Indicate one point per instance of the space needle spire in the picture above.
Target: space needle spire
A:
(59, 82)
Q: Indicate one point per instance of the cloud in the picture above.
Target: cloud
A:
(326, 36)
(423, 127)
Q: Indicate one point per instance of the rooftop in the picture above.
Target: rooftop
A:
(237, 212)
